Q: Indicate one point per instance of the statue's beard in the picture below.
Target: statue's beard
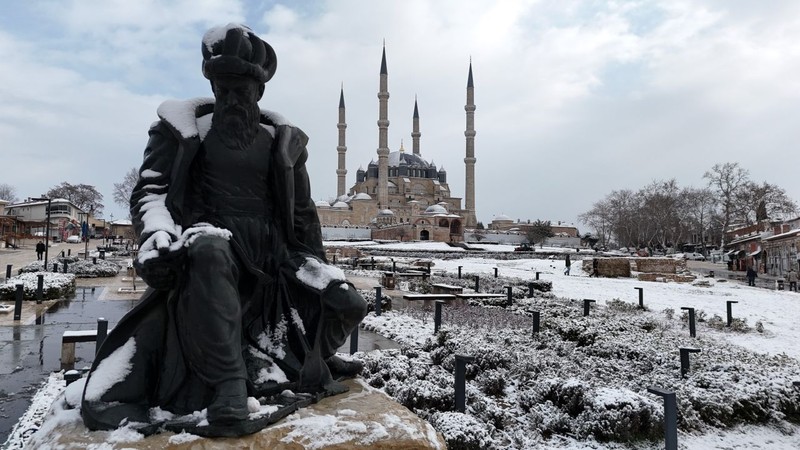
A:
(236, 125)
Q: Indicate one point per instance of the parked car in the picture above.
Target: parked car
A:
(74, 239)
(694, 256)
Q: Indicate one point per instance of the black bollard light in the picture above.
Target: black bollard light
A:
(18, 302)
(508, 296)
(692, 330)
(641, 297)
(587, 303)
(437, 316)
(536, 322)
(55, 267)
(394, 266)
(8, 271)
(461, 380)
(530, 290)
(537, 275)
(378, 298)
(477, 283)
(94, 259)
(685, 351)
(65, 266)
(102, 254)
(62, 253)
(69, 252)
(102, 332)
(730, 311)
(459, 272)
(495, 272)
(372, 263)
(72, 376)
(39, 288)
(354, 340)
(334, 258)
(670, 416)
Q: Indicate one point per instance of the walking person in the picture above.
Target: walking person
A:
(751, 276)
(567, 264)
(39, 250)
(791, 277)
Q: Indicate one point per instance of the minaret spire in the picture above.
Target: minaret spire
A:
(383, 135)
(415, 134)
(469, 161)
(341, 171)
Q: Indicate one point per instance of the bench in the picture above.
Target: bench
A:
(446, 289)
(429, 297)
(68, 340)
(480, 296)
(422, 275)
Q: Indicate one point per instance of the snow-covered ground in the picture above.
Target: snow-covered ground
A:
(777, 311)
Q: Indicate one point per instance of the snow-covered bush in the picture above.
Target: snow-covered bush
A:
(81, 268)
(461, 431)
(579, 377)
(369, 296)
(55, 286)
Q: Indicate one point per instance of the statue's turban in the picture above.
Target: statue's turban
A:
(234, 49)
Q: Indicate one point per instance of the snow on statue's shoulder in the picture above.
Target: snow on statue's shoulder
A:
(181, 114)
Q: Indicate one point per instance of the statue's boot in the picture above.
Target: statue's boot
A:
(229, 404)
(342, 368)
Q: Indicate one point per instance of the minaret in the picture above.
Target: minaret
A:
(415, 134)
(383, 135)
(470, 219)
(341, 171)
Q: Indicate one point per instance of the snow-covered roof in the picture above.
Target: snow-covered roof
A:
(362, 196)
(322, 204)
(435, 209)
(501, 217)
(408, 159)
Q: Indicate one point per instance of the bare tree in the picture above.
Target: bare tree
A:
(123, 190)
(8, 192)
(759, 202)
(84, 196)
(727, 180)
(538, 232)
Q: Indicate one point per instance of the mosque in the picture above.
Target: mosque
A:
(402, 196)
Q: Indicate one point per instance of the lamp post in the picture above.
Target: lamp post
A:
(47, 228)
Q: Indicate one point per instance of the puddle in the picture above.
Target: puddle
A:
(28, 353)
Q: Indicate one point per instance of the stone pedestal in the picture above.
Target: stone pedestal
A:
(361, 418)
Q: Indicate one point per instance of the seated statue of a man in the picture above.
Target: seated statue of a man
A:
(242, 301)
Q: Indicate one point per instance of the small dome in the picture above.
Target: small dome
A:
(501, 217)
(343, 198)
(362, 196)
(435, 209)
(385, 212)
(322, 204)
(340, 205)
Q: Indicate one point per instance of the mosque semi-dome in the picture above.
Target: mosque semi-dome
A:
(362, 196)
(435, 209)
(340, 204)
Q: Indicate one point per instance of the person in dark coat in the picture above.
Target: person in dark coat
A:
(242, 301)
(567, 264)
(751, 276)
(39, 250)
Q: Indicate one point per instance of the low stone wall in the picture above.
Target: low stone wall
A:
(609, 267)
(659, 265)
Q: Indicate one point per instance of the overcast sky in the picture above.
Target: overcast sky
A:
(574, 99)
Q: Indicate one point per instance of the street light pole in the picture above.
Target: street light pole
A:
(47, 229)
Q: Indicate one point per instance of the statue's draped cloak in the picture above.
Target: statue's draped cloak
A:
(159, 374)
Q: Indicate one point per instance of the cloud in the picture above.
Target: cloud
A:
(573, 99)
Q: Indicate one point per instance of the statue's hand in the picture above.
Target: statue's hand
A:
(158, 263)
(158, 275)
